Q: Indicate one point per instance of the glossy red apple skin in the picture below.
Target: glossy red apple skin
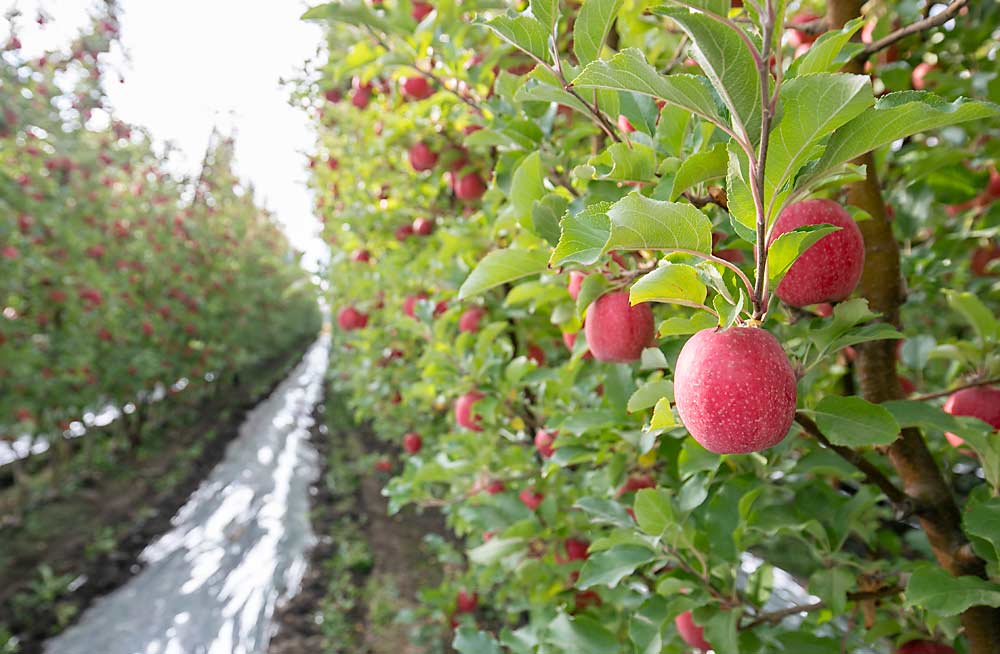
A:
(636, 482)
(410, 304)
(575, 282)
(925, 647)
(798, 37)
(350, 319)
(543, 443)
(463, 411)
(981, 402)
(830, 270)
(469, 187)
(691, 633)
(361, 256)
(466, 602)
(530, 498)
(421, 157)
(735, 389)
(469, 321)
(421, 10)
(918, 78)
(616, 331)
(412, 442)
(423, 226)
(416, 88)
(576, 549)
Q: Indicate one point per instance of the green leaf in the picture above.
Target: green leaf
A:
(831, 585)
(649, 394)
(583, 237)
(983, 521)
(679, 326)
(495, 549)
(624, 163)
(546, 11)
(350, 12)
(604, 511)
(935, 590)
(593, 22)
(976, 313)
(500, 267)
(854, 422)
(824, 55)
(728, 62)
(609, 567)
(593, 287)
(813, 106)
(524, 32)
(700, 167)
(728, 311)
(581, 635)
(742, 211)
(895, 116)
(653, 510)
(673, 283)
(527, 186)
(663, 416)
(546, 213)
(629, 71)
(788, 247)
(469, 640)
(641, 223)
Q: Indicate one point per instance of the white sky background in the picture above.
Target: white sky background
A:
(193, 64)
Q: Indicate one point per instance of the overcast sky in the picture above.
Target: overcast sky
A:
(192, 64)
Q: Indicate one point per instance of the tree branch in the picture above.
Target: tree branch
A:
(937, 394)
(930, 22)
(778, 616)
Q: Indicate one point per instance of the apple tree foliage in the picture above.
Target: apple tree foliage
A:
(651, 146)
(115, 277)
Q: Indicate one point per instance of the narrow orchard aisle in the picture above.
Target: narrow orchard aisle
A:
(237, 546)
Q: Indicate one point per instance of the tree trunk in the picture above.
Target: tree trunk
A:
(882, 285)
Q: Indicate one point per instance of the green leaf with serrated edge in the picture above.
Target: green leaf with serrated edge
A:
(584, 237)
(663, 416)
(524, 32)
(824, 55)
(629, 71)
(933, 589)
(679, 326)
(700, 167)
(641, 223)
(603, 511)
(581, 635)
(609, 567)
(469, 640)
(653, 510)
(895, 116)
(727, 61)
(976, 313)
(593, 287)
(546, 213)
(813, 106)
(728, 312)
(982, 520)
(788, 247)
(350, 12)
(527, 186)
(625, 163)
(593, 22)
(721, 628)
(675, 283)
(546, 11)
(495, 549)
(502, 266)
(649, 394)
(854, 422)
(742, 210)
(537, 88)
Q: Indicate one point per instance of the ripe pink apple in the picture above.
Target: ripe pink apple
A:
(466, 602)
(918, 78)
(576, 549)
(361, 256)
(690, 632)
(412, 442)
(575, 282)
(469, 187)
(735, 389)
(360, 97)
(530, 498)
(404, 232)
(636, 482)
(423, 226)
(616, 331)
(981, 402)
(924, 647)
(543, 442)
(350, 319)
(799, 37)
(416, 88)
(421, 157)
(383, 465)
(420, 10)
(10, 252)
(469, 322)
(463, 411)
(830, 269)
(410, 304)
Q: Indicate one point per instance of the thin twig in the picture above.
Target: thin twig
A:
(678, 56)
(927, 23)
(778, 616)
(872, 474)
(758, 167)
(937, 394)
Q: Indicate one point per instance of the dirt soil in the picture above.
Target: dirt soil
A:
(130, 504)
(399, 565)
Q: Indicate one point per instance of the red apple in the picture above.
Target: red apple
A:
(616, 331)
(466, 602)
(463, 411)
(361, 96)
(735, 389)
(799, 37)
(469, 322)
(918, 78)
(924, 647)
(423, 226)
(530, 498)
(416, 88)
(410, 304)
(543, 442)
(383, 465)
(412, 442)
(350, 319)
(690, 632)
(404, 232)
(830, 269)
(981, 259)
(569, 338)
(420, 10)
(536, 354)
(576, 549)
(575, 282)
(981, 402)
(636, 482)
(469, 187)
(361, 256)
(421, 157)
